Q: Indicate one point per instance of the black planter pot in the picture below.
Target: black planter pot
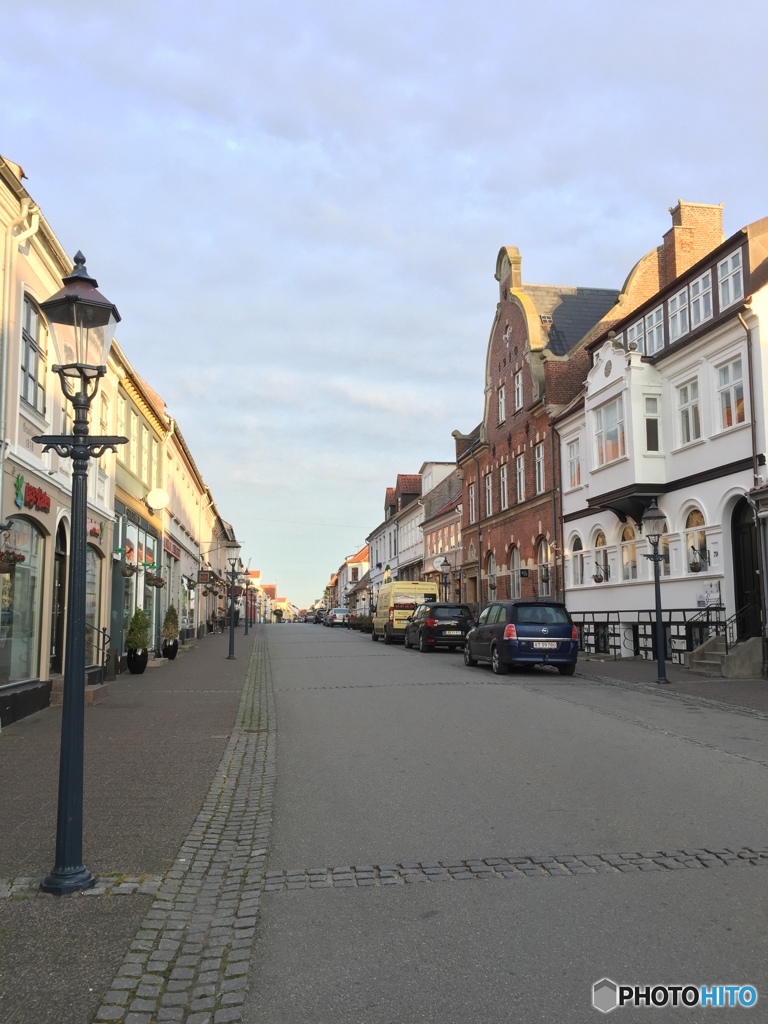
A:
(136, 659)
(170, 649)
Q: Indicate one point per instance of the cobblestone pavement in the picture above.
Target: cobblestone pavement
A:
(189, 961)
(564, 865)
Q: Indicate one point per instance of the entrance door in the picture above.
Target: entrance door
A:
(745, 576)
(59, 600)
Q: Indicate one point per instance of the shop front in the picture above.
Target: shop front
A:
(137, 543)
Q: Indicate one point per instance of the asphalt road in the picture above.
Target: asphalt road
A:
(390, 757)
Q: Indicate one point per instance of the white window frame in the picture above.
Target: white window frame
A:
(728, 390)
(730, 279)
(520, 478)
(33, 357)
(654, 331)
(688, 411)
(628, 554)
(577, 562)
(601, 431)
(652, 414)
(488, 495)
(472, 510)
(636, 333)
(539, 469)
(503, 487)
(678, 315)
(518, 390)
(515, 588)
(502, 404)
(700, 306)
(573, 450)
(544, 568)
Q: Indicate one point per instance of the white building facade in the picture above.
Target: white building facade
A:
(673, 410)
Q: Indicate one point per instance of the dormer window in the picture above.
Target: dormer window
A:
(730, 280)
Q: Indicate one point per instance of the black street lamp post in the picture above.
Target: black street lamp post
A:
(81, 321)
(233, 553)
(654, 523)
(247, 609)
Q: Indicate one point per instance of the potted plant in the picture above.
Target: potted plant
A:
(137, 641)
(128, 570)
(10, 558)
(171, 633)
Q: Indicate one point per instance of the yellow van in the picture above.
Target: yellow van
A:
(396, 602)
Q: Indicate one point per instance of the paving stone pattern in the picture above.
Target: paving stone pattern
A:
(190, 960)
(362, 875)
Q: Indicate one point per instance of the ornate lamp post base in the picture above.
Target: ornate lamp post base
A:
(61, 881)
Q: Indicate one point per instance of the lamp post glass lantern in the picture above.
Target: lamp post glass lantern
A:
(654, 524)
(81, 321)
(233, 556)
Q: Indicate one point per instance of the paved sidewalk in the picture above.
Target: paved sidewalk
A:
(749, 694)
(177, 769)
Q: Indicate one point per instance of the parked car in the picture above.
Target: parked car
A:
(443, 624)
(337, 617)
(320, 615)
(523, 633)
(309, 616)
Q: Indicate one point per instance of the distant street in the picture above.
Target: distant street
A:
(593, 816)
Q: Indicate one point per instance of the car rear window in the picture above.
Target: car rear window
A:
(541, 613)
(441, 612)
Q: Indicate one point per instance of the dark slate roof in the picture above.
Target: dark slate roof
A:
(573, 310)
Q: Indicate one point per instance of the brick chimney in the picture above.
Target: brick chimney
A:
(697, 229)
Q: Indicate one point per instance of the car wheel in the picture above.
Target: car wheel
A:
(498, 666)
(469, 661)
(387, 636)
(406, 641)
(423, 645)
(566, 670)
(374, 635)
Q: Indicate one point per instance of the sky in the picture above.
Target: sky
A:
(297, 209)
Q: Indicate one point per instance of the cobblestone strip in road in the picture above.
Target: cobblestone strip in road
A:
(362, 875)
(189, 961)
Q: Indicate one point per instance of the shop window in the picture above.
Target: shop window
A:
(21, 594)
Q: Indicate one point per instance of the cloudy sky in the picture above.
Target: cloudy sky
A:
(297, 208)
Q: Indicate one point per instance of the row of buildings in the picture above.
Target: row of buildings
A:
(155, 534)
(596, 402)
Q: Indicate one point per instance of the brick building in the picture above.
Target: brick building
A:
(509, 463)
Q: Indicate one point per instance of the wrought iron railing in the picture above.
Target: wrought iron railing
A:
(97, 643)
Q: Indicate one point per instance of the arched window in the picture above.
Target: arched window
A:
(544, 568)
(602, 572)
(696, 555)
(92, 605)
(514, 573)
(577, 562)
(490, 569)
(628, 554)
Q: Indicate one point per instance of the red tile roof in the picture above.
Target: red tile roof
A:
(361, 555)
(409, 483)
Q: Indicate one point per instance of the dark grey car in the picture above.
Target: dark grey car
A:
(438, 624)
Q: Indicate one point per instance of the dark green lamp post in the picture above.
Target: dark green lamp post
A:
(81, 321)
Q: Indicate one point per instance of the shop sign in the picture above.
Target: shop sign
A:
(31, 496)
(96, 530)
(204, 577)
(171, 548)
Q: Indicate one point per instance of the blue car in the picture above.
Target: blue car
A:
(523, 633)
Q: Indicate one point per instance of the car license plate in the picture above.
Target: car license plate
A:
(548, 645)
(452, 632)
